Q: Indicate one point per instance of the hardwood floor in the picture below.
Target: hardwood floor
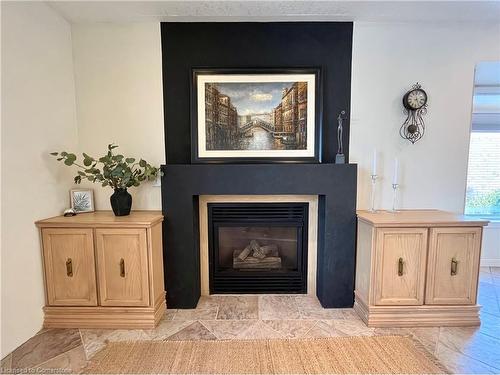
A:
(462, 350)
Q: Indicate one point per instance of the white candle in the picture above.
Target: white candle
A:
(396, 172)
(374, 162)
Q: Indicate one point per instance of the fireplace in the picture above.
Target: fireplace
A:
(332, 230)
(188, 189)
(257, 247)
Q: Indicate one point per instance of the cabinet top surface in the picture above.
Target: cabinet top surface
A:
(104, 218)
(418, 218)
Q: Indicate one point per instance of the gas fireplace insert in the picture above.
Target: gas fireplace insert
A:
(257, 247)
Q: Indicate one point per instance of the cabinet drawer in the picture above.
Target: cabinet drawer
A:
(69, 267)
(453, 266)
(400, 266)
(122, 267)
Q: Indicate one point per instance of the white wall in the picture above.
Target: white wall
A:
(118, 77)
(119, 98)
(490, 252)
(38, 116)
(387, 60)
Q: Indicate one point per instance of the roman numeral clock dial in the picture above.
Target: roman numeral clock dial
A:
(416, 99)
(415, 105)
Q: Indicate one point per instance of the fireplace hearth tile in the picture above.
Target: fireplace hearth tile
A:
(238, 307)
(353, 328)
(260, 330)
(195, 331)
(320, 313)
(167, 328)
(208, 302)
(278, 307)
(73, 361)
(45, 346)
(397, 331)
(350, 314)
(307, 302)
(196, 314)
(428, 336)
(96, 339)
(291, 329)
(323, 328)
(169, 314)
(228, 329)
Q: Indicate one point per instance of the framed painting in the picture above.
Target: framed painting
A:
(82, 200)
(258, 115)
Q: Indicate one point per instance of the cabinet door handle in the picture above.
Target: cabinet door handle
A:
(69, 267)
(122, 267)
(454, 264)
(400, 266)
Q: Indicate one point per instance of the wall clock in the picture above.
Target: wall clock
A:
(415, 106)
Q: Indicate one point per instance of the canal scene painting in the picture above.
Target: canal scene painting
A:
(256, 115)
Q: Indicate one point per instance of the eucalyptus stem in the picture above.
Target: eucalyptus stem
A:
(117, 171)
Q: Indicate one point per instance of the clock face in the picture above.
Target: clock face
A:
(416, 99)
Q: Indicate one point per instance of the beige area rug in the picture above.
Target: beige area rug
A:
(339, 355)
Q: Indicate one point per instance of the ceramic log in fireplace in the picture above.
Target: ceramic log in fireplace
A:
(258, 247)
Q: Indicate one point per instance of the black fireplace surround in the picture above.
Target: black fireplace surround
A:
(326, 46)
(323, 45)
(335, 185)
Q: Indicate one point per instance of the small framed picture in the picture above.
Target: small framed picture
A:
(82, 200)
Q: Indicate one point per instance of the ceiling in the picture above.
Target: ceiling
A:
(288, 10)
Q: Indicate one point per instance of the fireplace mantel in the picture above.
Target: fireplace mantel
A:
(335, 185)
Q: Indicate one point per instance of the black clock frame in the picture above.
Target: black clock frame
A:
(413, 128)
(405, 99)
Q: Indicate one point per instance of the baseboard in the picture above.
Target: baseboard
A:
(104, 317)
(418, 316)
(490, 262)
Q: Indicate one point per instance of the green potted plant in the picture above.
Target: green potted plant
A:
(116, 171)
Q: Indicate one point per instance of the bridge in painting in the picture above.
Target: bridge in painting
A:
(257, 123)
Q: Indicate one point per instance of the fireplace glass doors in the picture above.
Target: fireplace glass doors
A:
(258, 247)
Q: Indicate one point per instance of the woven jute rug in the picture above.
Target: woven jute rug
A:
(342, 355)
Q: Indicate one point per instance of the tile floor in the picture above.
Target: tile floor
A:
(462, 350)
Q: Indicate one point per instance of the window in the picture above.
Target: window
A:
(483, 175)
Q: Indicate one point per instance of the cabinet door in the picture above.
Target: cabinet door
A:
(122, 266)
(400, 266)
(453, 266)
(69, 267)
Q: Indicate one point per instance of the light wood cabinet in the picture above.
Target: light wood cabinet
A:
(103, 271)
(400, 266)
(452, 268)
(417, 268)
(69, 267)
(122, 266)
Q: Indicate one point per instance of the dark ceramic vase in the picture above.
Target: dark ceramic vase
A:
(121, 202)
